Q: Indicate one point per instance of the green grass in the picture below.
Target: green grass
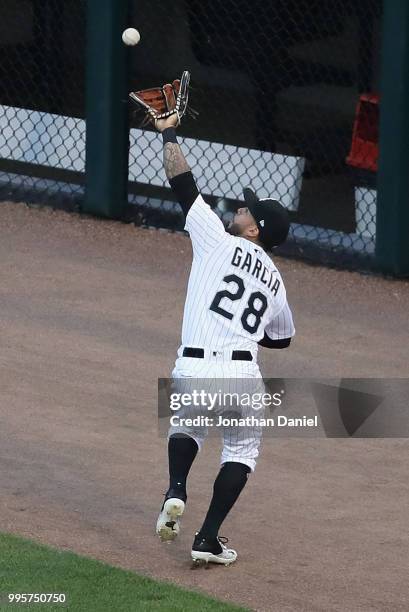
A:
(26, 567)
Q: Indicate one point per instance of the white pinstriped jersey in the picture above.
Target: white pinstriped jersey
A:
(235, 292)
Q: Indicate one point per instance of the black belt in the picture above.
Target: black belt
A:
(198, 353)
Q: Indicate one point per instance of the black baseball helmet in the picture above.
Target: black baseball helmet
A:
(272, 218)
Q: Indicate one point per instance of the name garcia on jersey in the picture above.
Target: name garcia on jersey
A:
(254, 266)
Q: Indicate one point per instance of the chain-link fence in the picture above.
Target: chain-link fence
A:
(286, 93)
(277, 85)
(42, 127)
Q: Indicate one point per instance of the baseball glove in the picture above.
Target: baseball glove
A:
(162, 102)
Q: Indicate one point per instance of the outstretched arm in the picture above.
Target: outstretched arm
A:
(205, 228)
(173, 159)
(176, 167)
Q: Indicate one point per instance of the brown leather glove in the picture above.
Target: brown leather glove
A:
(162, 102)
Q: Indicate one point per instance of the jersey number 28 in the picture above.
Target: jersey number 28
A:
(256, 305)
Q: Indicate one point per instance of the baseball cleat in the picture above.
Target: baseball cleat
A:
(206, 551)
(167, 526)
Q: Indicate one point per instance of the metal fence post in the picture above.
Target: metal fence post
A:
(392, 219)
(106, 111)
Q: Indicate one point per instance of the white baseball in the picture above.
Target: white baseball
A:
(131, 36)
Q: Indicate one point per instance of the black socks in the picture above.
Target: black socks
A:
(182, 451)
(227, 488)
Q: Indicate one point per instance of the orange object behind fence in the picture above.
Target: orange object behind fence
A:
(365, 149)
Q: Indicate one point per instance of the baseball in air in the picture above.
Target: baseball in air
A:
(131, 37)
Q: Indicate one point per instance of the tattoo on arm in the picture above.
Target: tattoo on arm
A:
(174, 160)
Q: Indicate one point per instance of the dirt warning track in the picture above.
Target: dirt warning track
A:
(90, 317)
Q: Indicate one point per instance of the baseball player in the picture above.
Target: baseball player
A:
(236, 301)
